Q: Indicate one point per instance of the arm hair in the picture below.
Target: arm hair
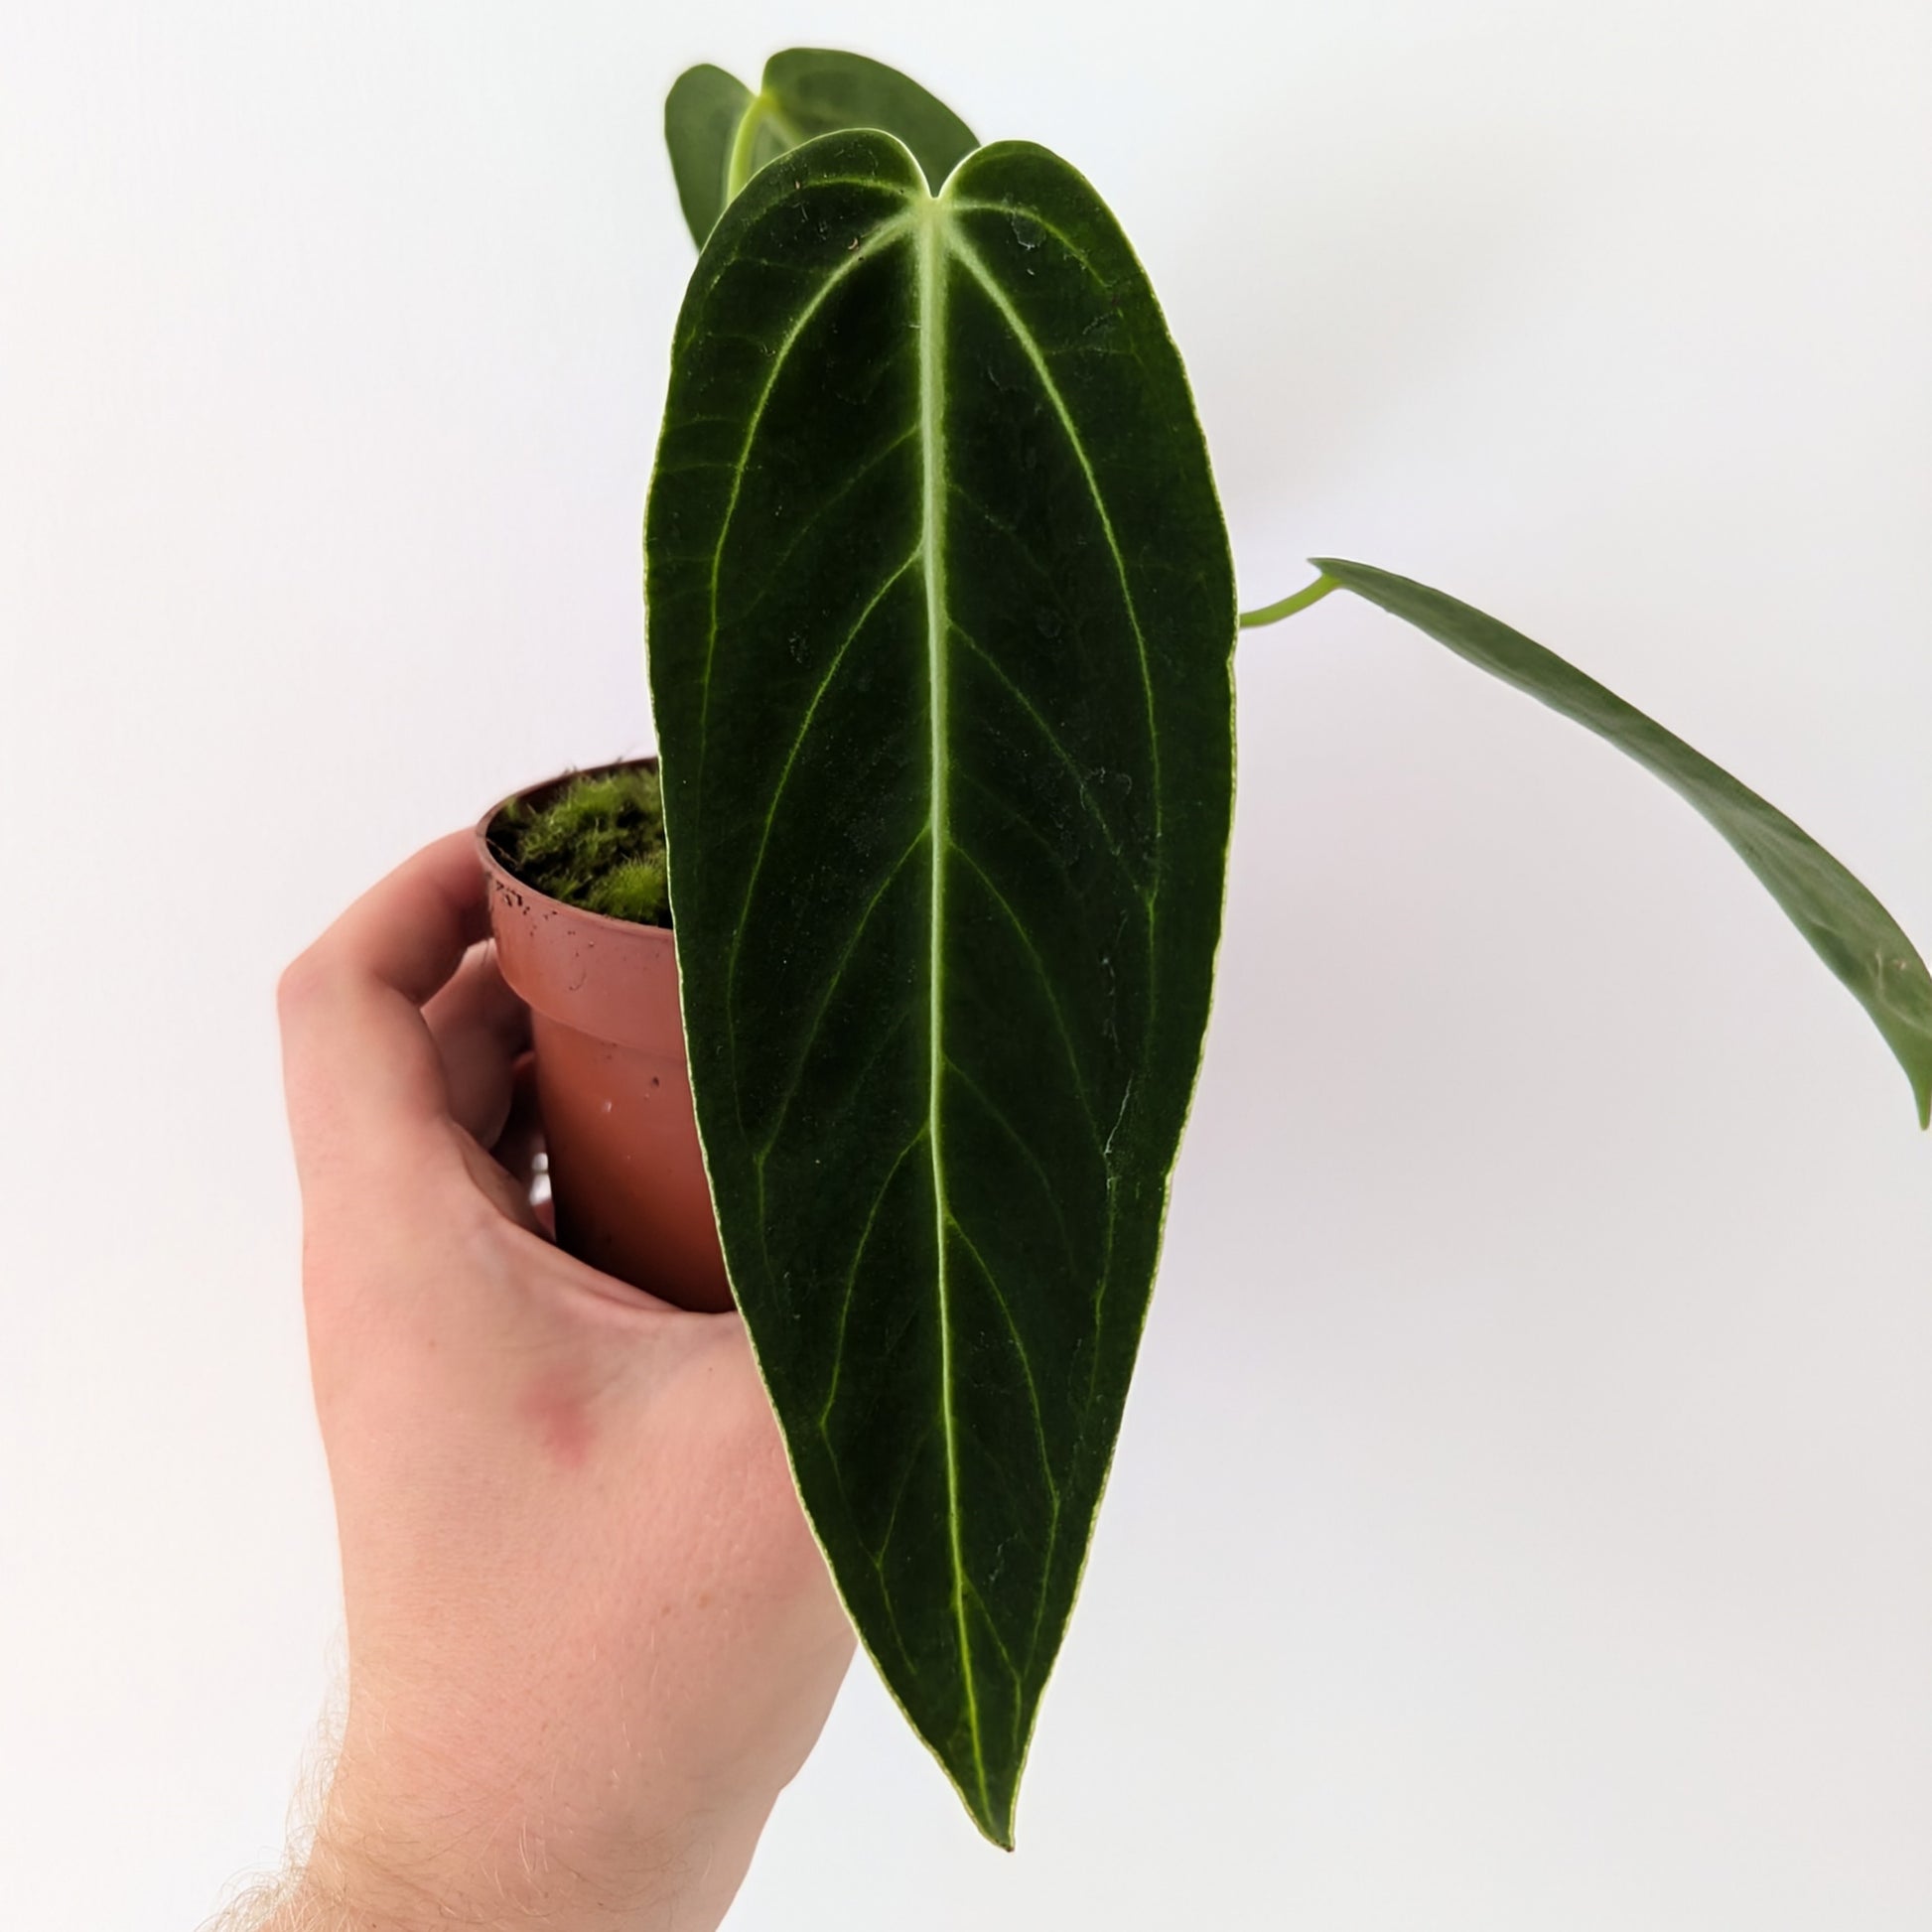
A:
(277, 1901)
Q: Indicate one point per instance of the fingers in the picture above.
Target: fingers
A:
(520, 1140)
(362, 1071)
(480, 1028)
(504, 1190)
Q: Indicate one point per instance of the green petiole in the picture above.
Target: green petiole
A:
(1287, 608)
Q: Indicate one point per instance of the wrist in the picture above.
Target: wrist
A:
(331, 1898)
(341, 1894)
(378, 1864)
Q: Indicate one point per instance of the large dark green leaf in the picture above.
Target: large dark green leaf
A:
(941, 619)
(719, 133)
(1848, 929)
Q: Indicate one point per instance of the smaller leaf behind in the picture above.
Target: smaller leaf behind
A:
(815, 90)
(1846, 926)
(719, 133)
(702, 114)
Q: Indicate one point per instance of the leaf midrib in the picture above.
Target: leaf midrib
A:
(931, 254)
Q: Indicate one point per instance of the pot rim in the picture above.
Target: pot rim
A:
(507, 881)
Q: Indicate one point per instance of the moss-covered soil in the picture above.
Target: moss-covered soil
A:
(597, 844)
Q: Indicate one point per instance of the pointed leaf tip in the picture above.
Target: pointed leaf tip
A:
(1862, 944)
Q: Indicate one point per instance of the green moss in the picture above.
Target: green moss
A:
(597, 844)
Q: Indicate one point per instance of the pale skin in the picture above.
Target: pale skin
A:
(589, 1636)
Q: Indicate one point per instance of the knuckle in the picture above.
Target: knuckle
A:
(296, 990)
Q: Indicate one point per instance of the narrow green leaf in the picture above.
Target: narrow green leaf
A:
(719, 133)
(941, 623)
(1846, 926)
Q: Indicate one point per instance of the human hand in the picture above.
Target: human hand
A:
(589, 1634)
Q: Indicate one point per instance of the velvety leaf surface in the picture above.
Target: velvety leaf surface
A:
(942, 624)
(1846, 927)
(714, 126)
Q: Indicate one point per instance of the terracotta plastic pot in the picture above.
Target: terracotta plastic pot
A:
(626, 1174)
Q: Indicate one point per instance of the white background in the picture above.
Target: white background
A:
(1524, 1517)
